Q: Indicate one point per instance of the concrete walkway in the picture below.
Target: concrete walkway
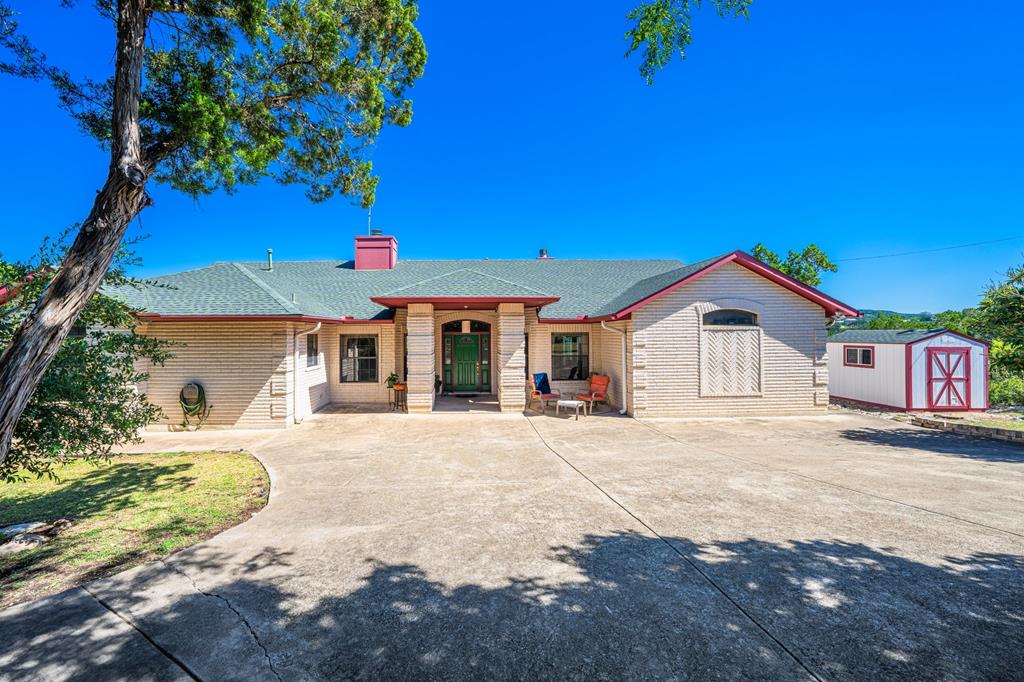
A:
(475, 546)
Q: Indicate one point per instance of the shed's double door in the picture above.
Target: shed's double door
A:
(949, 378)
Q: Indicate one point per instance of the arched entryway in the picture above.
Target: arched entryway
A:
(466, 356)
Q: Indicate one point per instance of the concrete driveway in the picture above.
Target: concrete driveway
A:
(488, 546)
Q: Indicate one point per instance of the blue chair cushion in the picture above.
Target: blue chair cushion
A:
(540, 380)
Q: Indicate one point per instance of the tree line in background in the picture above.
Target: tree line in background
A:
(998, 318)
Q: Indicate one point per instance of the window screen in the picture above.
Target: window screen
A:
(358, 359)
(860, 357)
(312, 350)
(570, 357)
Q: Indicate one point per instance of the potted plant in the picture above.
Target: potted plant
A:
(391, 380)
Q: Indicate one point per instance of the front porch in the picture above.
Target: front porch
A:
(465, 357)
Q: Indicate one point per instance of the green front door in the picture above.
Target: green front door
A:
(467, 362)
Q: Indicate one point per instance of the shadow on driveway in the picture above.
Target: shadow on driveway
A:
(636, 610)
(941, 442)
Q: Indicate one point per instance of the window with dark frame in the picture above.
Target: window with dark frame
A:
(728, 317)
(312, 350)
(858, 356)
(358, 359)
(570, 357)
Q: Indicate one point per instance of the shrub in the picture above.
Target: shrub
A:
(1006, 389)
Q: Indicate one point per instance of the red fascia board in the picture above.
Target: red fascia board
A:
(579, 319)
(155, 317)
(401, 301)
(831, 305)
(950, 331)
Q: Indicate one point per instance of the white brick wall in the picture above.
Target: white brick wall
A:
(511, 365)
(422, 364)
(666, 342)
(347, 392)
(243, 366)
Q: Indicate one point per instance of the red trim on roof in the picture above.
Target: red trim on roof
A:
(155, 317)
(457, 302)
(949, 331)
(831, 305)
(564, 320)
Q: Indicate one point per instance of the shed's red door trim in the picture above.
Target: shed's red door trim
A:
(948, 378)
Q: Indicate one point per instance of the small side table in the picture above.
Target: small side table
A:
(401, 390)
(576, 404)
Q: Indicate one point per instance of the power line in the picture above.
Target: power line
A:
(942, 248)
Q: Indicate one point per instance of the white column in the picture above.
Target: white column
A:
(511, 369)
(420, 330)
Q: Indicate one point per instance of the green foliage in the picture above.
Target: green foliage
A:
(662, 29)
(238, 90)
(1000, 316)
(806, 265)
(961, 321)
(892, 321)
(1006, 388)
(86, 402)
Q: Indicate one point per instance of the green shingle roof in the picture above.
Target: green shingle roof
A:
(465, 282)
(335, 289)
(884, 335)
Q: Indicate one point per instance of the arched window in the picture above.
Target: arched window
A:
(730, 317)
(475, 326)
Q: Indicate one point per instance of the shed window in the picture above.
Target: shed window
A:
(358, 359)
(730, 317)
(312, 350)
(859, 356)
(570, 357)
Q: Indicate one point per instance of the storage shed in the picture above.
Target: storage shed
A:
(909, 369)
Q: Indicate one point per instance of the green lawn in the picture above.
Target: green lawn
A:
(1014, 424)
(132, 509)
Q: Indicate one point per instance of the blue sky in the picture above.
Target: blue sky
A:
(867, 128)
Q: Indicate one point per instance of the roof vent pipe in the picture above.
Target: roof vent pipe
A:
(270, 260)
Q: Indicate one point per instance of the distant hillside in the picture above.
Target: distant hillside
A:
(920, 319)
(871, 314)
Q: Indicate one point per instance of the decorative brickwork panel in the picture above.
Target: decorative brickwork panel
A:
(730, 362)
(668, 378)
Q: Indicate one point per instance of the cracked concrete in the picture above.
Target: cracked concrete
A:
(460, 546)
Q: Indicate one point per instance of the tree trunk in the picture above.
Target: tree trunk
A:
(122, 197)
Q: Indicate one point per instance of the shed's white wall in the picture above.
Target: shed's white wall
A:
(919, 369)
(883, 384)
(793, 374)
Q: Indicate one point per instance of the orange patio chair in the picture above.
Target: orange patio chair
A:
(596, 393)
(542, 391)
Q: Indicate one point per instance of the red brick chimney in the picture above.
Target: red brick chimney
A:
(376, 252)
